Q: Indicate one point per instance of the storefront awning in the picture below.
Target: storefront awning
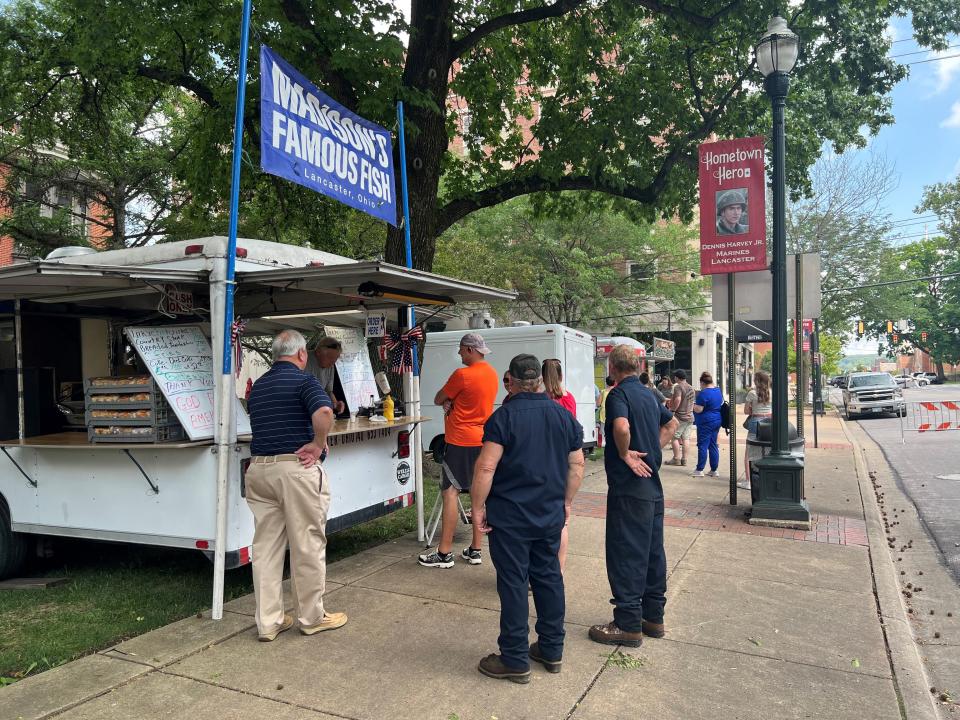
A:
(53, 282)
(370, 285)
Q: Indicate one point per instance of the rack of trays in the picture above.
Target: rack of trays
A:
(128, 409)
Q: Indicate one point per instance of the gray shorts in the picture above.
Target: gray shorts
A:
(457, 468)
(683, 430)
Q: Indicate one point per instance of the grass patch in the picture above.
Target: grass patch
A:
(119, 591)
(622, 660)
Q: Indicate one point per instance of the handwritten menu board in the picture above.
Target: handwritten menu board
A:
(181, 362)
(353, 367)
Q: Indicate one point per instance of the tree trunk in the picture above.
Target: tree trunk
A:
(427, 70)
(940, 373)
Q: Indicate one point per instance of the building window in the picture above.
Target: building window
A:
(56, 198)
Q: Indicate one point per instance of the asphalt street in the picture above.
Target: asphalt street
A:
(927, 466)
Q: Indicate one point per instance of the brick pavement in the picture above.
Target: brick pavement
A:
(832, 529)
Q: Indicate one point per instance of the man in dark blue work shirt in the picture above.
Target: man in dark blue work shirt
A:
(529, 469)
(288, 491)
(637, 426)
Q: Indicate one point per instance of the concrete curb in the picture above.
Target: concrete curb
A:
(909, 673)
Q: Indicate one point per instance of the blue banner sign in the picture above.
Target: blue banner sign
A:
(309, 138)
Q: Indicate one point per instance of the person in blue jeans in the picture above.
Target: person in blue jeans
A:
(706, 416)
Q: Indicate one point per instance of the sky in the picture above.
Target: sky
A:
(924, 142)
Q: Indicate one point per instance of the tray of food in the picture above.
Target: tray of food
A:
(126, 433)
(162, 414)
(124, 382)
(115, 399)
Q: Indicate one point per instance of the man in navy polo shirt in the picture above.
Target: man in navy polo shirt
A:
(529, 469)
(288, 491)
(637, 426)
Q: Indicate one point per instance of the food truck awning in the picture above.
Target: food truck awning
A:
(371, 285)
(47, 281)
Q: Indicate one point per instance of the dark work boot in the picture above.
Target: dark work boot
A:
(610, 634)
(654, 630)
(492, 666)
(552, 666)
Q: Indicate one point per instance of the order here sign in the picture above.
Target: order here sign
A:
(309, 138)
(733, 228)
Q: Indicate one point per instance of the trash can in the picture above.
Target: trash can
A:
(759, 445)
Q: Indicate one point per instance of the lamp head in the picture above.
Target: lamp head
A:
(777, 50)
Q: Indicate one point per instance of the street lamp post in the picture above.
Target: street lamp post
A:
(780, 499)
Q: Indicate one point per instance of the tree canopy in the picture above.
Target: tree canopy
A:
(931, 305)
(590, 267)
(843, 221)
(617, 94)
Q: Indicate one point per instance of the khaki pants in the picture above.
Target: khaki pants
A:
(289, 504)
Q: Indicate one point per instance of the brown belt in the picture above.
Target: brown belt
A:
(268, 459)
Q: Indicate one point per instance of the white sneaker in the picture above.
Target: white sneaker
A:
(743, 484)
(713, 473)
(697, 473)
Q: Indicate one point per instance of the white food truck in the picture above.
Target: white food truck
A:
(136, 335)
(573, 348)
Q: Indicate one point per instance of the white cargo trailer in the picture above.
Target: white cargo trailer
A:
(573, 348)
(71, 316)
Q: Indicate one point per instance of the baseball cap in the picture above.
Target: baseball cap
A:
(475, 341)
(525, 367)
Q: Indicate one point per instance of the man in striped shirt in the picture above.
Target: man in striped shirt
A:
(288, 491)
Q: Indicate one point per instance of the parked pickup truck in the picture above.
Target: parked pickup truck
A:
(872, 393)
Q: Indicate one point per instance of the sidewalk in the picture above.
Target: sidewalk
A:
(762, 623)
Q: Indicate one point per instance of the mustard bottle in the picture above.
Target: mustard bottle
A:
(388, 408)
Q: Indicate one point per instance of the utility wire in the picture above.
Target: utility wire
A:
(930, 60)
(915, 219)
(920, 52)
(893, 282)
(708, 306)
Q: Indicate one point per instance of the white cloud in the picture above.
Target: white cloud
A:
(946, 69)
(953, 120)
(891, 32)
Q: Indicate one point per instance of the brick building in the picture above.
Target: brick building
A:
(90, 218)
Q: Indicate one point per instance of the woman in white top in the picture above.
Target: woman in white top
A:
(756, 407)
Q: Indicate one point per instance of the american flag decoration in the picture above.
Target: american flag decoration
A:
(399, 347)
(236, 330)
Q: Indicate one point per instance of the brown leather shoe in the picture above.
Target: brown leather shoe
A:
(610, 634)
(654, 630)
(492, 666)
(282, 627)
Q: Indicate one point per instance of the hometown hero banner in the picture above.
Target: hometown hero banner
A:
(733, 227)
(309, 138)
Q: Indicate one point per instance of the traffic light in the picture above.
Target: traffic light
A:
(860, 328)
(896, 338)
(889, 326)
(923, 336)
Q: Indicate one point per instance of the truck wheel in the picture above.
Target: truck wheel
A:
(13, 546)
(850, 415)
(438, 447)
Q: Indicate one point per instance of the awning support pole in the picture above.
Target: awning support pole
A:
(414, 405)
(18, 333)
(226, 405)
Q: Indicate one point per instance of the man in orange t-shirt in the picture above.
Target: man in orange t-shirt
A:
(467, 399)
